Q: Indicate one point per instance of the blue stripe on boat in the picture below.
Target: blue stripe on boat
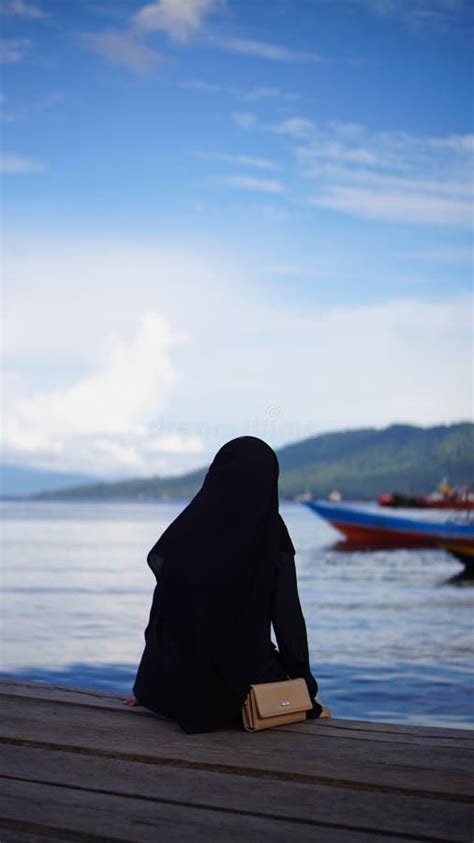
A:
(353, 515)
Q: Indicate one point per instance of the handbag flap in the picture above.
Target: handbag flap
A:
(276, 698)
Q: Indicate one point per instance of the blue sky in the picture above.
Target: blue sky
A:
(225, 217)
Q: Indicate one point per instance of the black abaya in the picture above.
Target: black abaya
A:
(225, 572)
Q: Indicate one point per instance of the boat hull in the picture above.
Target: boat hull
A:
(381, 537)
(370, 528)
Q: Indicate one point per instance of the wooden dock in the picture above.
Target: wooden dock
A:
(80, 766)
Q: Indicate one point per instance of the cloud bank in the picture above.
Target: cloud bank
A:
(386, 175)
(195, 353)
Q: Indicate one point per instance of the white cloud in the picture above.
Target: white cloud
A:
(248, 161)
(142, 402)
(183, 20)
(455, 143)
(261, 49)
(273, 214)
(377, 179)
(240, 160)
(13, 50)
(380, 175)
(450, 255)
(244, 119)
(178, 18)
(258, 163)
(406, 207)
(128, 388)
(42, 273)
(123, 49)
(418, 14)
(109, 453)
(104, 419)
(175, 443)
(255, 184)
(13, 164)
(49, 364)
(260, 92)
(21, 9)
(255, 94)
(295, 127)
(391, 175)
(337, 152)
(388, 151)
(201, 85)
(369, 365)
(421, 12)
(24, 110)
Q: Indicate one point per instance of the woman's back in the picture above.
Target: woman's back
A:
(219, 576)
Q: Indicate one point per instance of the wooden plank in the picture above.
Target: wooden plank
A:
(14, 835)
(323, 729)
(35, 710)
(334, 728)
(387, 813)
(357, 729)
(288, 755)
(273, 761)
(338, 729)
(77, 696)
(379, 731)
(402, 729)
(109, 699)
(107, 818)
(89, 769)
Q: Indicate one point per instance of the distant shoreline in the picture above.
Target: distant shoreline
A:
(358, 464)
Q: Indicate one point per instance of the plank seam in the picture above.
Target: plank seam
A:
(68, 689)
(468, 734)
(61, 833)
(414, 739)
(363, 734)
(202, 806)
(250, 772)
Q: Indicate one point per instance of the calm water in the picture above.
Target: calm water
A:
(390, 635)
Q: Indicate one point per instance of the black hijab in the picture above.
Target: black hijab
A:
(215, 567)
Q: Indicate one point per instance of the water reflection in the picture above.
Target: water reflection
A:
(464, 576)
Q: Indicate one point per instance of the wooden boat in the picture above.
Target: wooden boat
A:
(397, 499)
(446, 496)
(368, 526)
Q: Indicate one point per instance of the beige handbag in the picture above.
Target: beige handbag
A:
(276, 704)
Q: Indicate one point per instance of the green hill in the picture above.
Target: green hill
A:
(359, 463)
(363, 463)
